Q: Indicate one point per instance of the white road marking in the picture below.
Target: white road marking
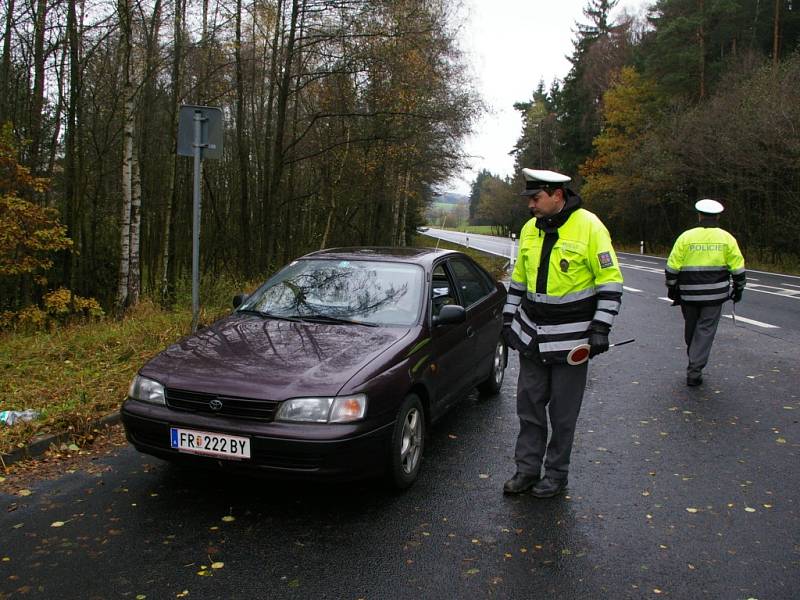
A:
(664, 299)
(642, 268)
(752, 322)
(649, 262)
(630, 289)
(789, 284)
(785, 294)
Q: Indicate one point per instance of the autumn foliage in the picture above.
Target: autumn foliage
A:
(29, 233)
(30, 236)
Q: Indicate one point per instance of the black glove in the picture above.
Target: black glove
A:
(674, 294)
(509, 337)
(736, 294)
(598, 339)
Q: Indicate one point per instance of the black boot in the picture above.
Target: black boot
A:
(519, 483)
(549, 487)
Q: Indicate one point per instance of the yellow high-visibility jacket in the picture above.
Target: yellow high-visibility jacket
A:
(563, 282)
(701, 265)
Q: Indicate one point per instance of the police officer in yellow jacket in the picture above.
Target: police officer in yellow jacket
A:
(565, 291)
(699, 271)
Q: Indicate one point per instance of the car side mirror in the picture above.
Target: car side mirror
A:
(238, 299)
(450, 314)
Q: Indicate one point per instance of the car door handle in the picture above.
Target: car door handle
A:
(470, 332)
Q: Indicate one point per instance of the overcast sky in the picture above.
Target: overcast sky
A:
(511, 46)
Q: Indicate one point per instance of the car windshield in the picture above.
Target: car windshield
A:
(358, 291)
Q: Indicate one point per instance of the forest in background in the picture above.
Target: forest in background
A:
(340, 117)
(702, 99)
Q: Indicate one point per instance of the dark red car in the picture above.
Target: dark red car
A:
(334, 367)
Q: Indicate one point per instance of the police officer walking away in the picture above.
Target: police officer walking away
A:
(699, 271)
(565, 291)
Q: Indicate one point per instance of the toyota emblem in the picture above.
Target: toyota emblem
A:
(215, 404)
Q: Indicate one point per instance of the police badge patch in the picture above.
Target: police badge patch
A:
(564, 264)
(605, 260)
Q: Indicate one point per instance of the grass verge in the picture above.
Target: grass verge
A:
(77, 374)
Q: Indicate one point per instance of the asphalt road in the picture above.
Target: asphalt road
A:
(675, 492)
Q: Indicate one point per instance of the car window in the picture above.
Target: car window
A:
(471, 282)
(382, 293)
(442, 292)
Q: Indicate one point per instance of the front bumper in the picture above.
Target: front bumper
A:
(339, 451)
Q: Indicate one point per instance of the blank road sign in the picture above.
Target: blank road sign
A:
(210, 131)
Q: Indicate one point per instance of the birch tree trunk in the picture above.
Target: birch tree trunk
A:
(121, 302)
(135, 276)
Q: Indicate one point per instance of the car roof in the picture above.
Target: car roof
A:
(422, 256)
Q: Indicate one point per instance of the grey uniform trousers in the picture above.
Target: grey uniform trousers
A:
(542, 389)
(699, 329)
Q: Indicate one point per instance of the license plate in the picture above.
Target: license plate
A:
(210, 444)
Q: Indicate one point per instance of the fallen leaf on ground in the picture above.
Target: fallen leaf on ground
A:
(228, 518)
(691, 510)
(24, 492)
(57, 524)
(217, 565)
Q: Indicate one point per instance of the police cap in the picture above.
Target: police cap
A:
(536, 180)
(708, 207)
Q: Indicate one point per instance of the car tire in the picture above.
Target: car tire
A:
(408, 443)
(492, 384)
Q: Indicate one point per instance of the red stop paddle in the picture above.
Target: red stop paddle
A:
(580, 354)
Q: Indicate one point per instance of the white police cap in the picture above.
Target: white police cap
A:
(708, 207)
(537, 179)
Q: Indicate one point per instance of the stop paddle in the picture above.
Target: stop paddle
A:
(580, 354)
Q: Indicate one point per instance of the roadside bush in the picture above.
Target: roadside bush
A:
(59, 307)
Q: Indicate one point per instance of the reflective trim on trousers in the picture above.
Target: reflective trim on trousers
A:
(516, 285)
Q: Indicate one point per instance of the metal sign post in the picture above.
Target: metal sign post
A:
(199, 136)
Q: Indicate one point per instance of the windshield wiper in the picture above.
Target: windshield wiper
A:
(267, 315)
(340, 320)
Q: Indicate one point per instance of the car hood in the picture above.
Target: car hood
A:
(250, 356)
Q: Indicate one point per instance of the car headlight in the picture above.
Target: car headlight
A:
(147, 390)
(341, 409)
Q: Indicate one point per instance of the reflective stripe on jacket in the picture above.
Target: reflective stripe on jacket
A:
(701, 265)
(551, 309)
